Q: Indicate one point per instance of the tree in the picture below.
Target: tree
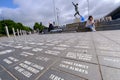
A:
(38, 26)
(11, 24)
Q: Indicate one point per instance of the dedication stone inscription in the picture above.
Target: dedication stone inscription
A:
(81, 69)
(6, 51)
(108, 53)
(27, 70)
(110, 73)
(82, 57)
(51, 52)
(110, 61)
(58, 75)
(9, 61)
(6, 76)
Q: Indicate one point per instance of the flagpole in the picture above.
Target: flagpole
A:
(54, 11)
(88, 8)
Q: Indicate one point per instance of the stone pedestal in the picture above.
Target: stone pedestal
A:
(76, 20)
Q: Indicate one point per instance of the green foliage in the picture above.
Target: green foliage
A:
(38, 26)
(11, 24)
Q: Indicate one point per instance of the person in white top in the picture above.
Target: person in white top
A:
(90, 23)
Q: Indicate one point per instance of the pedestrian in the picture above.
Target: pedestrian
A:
(51, 27)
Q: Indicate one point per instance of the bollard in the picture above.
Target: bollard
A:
(13, 32)
(7, 32)
(18, 32)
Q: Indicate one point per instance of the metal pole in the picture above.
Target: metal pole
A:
(57, 16)
(54, 10)
(88, 8)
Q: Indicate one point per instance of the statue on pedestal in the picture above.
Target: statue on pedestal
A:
(76, 9)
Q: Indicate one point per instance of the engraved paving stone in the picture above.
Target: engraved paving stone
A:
(31, 68)
(1, 69)
(9, 61)
(1, 48)
(110, 73)
(108, 53)
(81, 69)
(26, 70)
(6, 51)
(82, 55)
(84, 46)
(22, 55)
(43, 59)
(59, 48)
(58, 75)
(108, 46)
(5, 54)
(53, 52)
(6, 76)
(110, 61)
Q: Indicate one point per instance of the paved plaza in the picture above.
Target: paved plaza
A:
(64, 56)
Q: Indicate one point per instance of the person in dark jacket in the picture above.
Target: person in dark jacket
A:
(51, 27)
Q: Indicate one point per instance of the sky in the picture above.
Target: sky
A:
(30, 11)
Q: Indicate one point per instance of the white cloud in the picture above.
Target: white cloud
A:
(31, 11)
(117, 1)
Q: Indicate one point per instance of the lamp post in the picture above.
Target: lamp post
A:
(57, 10)
(54, 11)
(88, 8)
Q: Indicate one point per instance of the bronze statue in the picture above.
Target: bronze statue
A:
(76, 9)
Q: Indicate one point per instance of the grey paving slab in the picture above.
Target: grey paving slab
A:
(31, 49)
(65, 56)
(81, 50)
(26, 70)
(5, 48)
(1, 47)
(59, 48)
(9, 61)
(31, 68)
(109, 61)
(5, 76)
(81, 69)
(63, 45)
(81, 56)
(53, 52)
(110, 73)
(1, 69)
(58, 75)
(110, 46)
(44, 60)
(84, 44)
(23, 54)
(108, 53)
(6, 53)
